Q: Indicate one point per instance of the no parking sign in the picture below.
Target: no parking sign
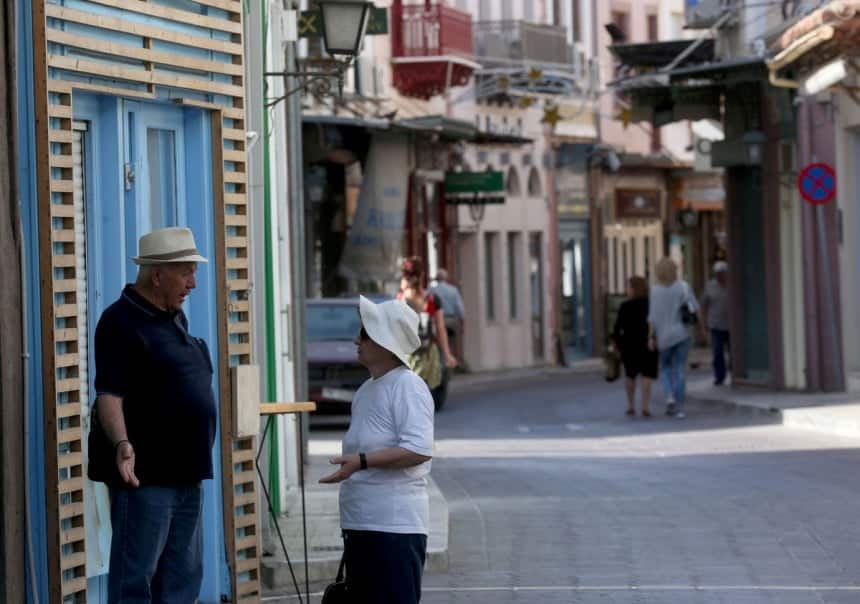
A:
(817, 184)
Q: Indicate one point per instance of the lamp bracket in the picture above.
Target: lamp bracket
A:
(320, 82)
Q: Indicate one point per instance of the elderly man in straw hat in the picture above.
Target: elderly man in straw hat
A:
(384, 506)
(156, 409)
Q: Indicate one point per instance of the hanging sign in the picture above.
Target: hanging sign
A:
(475, 188)
(817, 183)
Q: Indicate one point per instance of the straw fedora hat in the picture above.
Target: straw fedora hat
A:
(173, 244)
(392, 325)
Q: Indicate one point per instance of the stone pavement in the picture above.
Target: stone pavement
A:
(834, 413)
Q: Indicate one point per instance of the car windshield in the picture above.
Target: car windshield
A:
(333, 322)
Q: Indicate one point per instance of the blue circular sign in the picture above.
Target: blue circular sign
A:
(817, 183)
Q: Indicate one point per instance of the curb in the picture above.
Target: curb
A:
(323, 567)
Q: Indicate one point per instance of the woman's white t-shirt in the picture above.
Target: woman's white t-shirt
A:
(394, 410)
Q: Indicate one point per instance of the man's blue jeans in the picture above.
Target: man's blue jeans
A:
(719, 343)
(673, 370)
(156, 551)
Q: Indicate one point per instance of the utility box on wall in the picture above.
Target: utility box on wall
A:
(702, 14)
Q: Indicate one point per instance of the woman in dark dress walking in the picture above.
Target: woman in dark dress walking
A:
(630, 337)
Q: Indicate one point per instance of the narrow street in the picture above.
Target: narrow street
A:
(556, 496)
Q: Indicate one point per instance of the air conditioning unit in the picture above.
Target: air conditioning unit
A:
(702, 14)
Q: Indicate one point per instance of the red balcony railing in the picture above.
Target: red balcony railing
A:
(430, 30)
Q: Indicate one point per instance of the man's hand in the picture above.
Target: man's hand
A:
(125, 463)
(451, 361)
(349, 464)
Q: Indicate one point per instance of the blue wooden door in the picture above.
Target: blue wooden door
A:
(145, 166)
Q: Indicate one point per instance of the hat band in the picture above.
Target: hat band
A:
(172, 255)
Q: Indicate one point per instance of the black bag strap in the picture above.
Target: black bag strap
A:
(340, 570)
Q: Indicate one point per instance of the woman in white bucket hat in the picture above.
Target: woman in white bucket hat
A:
(384, 506)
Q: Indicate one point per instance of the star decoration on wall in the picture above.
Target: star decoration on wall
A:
(526, 102)
(551, 115)
(535, 74)
(625, 116)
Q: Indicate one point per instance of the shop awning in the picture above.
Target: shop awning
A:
(828, 33)
(658, 54)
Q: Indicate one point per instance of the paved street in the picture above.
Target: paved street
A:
(556, 496)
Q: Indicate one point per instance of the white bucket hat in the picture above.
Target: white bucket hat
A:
(720, 266)
(392, 325)
(173, 244)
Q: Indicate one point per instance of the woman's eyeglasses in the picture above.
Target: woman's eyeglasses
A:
(362, 335)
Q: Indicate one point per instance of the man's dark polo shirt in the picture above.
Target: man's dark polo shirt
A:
(146, 356)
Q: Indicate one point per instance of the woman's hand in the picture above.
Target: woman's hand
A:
(349, 465)
(652, 343)
(451, 361)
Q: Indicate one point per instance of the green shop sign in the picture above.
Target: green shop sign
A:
(474, 187)
(310, 23)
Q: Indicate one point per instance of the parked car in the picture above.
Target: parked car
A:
(334, 373)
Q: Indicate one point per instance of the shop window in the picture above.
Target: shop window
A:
(513, 182)
(535, 189)
(489, 274)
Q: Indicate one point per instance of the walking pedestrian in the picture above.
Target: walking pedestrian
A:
(455, 312)
(715, 316)
(386, 453)
(630, 338)
(154, 426)
(672, 307)
(427, 360)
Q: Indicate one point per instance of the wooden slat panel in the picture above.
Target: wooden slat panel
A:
(69, 435)
(131, 74)
(235, 155)
(236, 177)
(63, 210)
(284, 408)
(69, 334)
(64, 261)
(69, 409)
(244, 566)
(237, 263)
(68, 385)
(143, 54)
(60, 136)
(74, 586)
(67, 360)
(58, 110)
(232, 6)
(65, 311)
(240, 349)
(245, 498)
(174, 14)
(238, 327)
(240, 306)
(72, 484)
(139, 29)
(238, 284)
(234, 113)
(68, 460)
(234, 134)
(243, 455)
(62, 186)
(73, 535)
(73, 560)
(236, 220)
(64, 236)
(67, 87)
(62, 161)
(237, 242)
(246, 542)
(248, 587)
(71, 510)
(243, 477)
(236, 199)
(246, 520)
(65, 285)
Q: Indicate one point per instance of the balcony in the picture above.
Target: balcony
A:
(517, 42)
(431, 48)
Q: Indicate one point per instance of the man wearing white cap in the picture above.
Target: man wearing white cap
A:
(154, 426)
(384, 506)
(714, 311)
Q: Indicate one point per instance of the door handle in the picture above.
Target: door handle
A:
(128, 174)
